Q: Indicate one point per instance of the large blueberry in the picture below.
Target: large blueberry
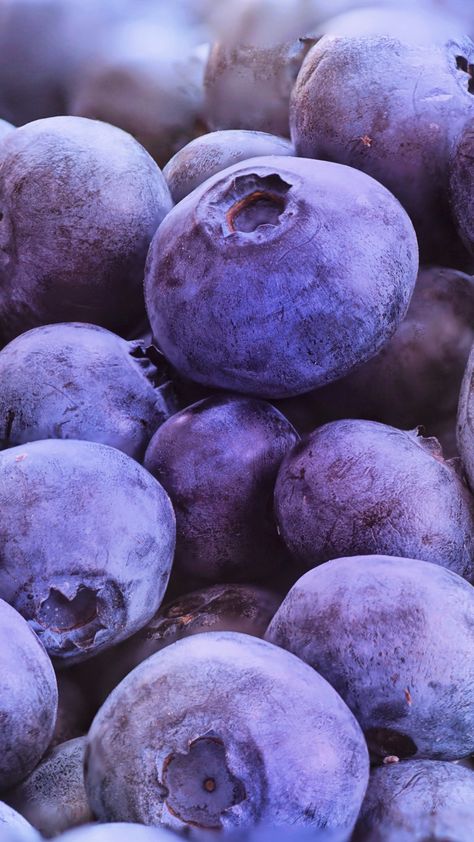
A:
(402, 133)
(358, 487)
(223, 730)
(87, 543)
(28, 698)
(218, 460)
(395, 638)
(420, 799)
(53, 797)
(78, 381)
(416, 377)
(256, 282)
(211, 153)
(242, 608)
(79, 203)
(14, 828)
(462, 175)
(466, 420)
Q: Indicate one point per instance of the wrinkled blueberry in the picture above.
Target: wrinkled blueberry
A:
(87, 543)
(78, 381)
(418, 800)
(53, 797)
(416, 377)
(222, 730)
(394, 637)
(249, 86)
(211, 153)
(79, 203)
(402, 134)
(242, 608)
(462, 175)
(359, 487)
(255, 282)
(466, 420)
(158, 97)
(218, 460)
(28, 698)
(14, 828)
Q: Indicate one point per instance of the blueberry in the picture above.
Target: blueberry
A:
(242, 608)
(255, 281)
(416, 377)
(5, 128)
(14, 828)
(223, 730)
(359, 487)
(157, 96)
(402, 134)
(117, 832)
(211, 153)
(87, 543)
(249, 86)
(79, 204)
(28, 698)
(418, 800)
(78, 381)
(218, 460)
(462, 174)
(395, 638)
(466, 420)
(53, 797)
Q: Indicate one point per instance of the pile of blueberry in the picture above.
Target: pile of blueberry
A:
(237, 420)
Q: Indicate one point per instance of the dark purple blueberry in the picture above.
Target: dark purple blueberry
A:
(462, 173)
(241, 608)
(87, 543)
(79, 203)
(394, 637)
(416, 377)
(211, 153)
(359, 487)
(466, 420)
(14, 828)
(249, 86)
(28, 698)
(419, 799)
(223, 730)
(53, 797)
(117, 832)
(79, 381)
(218, 460)
(255, 282)
(402, 134)
(157, 96)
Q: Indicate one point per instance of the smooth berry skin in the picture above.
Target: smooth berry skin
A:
(461, 182)
(53, 796)
(241, 608)
(237, 714)
(88, 541)
(266, 243)
(394, 637)
(117, 832)
(403, 135)
(358, 488)
(418, 799)
(79, 381)
(28, 698)
(79, 202)
(14, 828)
(211, 153)
(218, 460)
(465, 426)
(416, 377)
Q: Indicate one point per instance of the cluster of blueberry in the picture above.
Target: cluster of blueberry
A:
(236, 574)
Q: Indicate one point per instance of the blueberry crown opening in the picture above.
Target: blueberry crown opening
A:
(256, 201)
(60, 614)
